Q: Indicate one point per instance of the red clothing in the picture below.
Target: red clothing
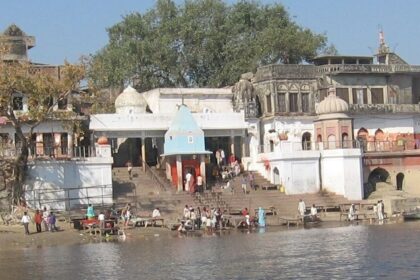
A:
(244, 212)
(38, 218)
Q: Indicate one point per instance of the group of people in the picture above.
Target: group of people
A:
(44, 217)
(205, 218)
(313, 213)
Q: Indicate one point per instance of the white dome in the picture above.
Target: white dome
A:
(130, 101)
(331, 105)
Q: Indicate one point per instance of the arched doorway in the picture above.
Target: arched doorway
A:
(378, 175)
(331, 141)
(379, 140)
(306, 141)
(400, 181)
(276, 176)
(345, 143)
(319, 142)
(362, 137)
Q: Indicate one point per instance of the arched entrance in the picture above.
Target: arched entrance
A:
(276, 176)
(306, 141)
(345, 143)
(400, 181)
(331, 141)
(362, 137)
(378, 175)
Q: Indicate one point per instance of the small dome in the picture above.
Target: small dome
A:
(332, 104)
(130, 101)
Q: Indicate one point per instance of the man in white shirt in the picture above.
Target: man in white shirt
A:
(101, 219)
(186, 212)
(301, 208)
(314, 212)
(199, 183)
(156, 213)
(25, 221)
(187, 181)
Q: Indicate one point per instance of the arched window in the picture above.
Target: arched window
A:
(362, 137)
(345, 140)
(306, 141)
(379, 140)
(319, 142)
(331, 141)
(276, 176)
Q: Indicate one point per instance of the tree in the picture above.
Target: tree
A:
(203, 43)
(42, 91)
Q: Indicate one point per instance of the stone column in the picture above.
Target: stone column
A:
(143, 154)
(243, 146)
(39, 144)
(179, 173)
(232, 146)
(70, 144)
(57, 144)
(203, 170)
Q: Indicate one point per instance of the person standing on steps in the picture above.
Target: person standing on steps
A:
(188, 177)
(251, 181)
(129, 169)
(38, 220)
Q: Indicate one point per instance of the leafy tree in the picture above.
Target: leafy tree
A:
(202, 43)
(43, 91)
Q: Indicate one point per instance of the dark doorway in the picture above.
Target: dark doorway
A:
(400, 180)
(306, 141)
(378, 175)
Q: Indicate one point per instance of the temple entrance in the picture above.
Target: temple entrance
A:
(276, 176)
(400, 181)
(127, 150)
(377, 176)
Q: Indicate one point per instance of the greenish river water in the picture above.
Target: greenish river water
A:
(350, 252)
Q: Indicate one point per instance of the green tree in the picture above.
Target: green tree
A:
(201, 43)
(42, 91)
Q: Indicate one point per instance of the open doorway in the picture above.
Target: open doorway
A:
(400, 181)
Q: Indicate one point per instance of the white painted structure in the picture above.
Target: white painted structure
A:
(64, 184)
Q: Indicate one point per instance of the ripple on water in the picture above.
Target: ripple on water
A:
(368, 252)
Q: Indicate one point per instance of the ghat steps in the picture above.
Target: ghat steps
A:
(145, 194)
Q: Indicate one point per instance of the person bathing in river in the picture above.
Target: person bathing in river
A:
(314, 213)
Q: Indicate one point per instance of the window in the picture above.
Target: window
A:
(359, 96)
(305, 102)
(377, 95)
(293, 102)
(343, 93)
(281, 102)
(268, 102)
(48, 102)
(190, 139)
(18, 103)
(322, 94)
(62, 104)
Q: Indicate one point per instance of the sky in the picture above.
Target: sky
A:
(65, 30)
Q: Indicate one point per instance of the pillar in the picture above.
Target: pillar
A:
(70, 144)
(39, 144)
(57, 144)
(243, 150)
(143, 154)
(232, 146)
(203, 170)
(179, 173)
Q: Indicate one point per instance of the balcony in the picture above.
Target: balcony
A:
(384, 108)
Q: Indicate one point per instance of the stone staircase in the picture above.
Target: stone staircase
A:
(145, 194)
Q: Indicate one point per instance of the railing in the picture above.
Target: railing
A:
(11, 151)
(288, 146)
(365, 146)
(69, 198)
(155, 177)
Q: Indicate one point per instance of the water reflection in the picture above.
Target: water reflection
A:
(368, 252)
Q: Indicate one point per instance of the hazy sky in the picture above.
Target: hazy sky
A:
(69, 29)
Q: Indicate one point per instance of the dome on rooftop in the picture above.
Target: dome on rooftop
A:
(332, 104)
(130, 101)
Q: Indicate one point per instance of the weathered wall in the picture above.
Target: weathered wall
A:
(49, 182)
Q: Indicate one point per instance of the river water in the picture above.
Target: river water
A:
(389, 251)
